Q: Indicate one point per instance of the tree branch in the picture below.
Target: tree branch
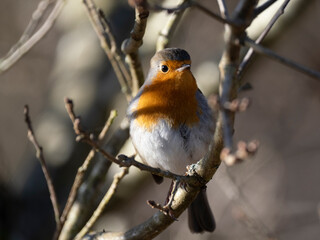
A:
(189, 3)
(82, 170)
(24, 46)
(267, 52)
(91, 188)
(40, 156)
(263, 7)
(250, 52)
(103, 31)
(223, 8)
(111, 191)
(131, 45)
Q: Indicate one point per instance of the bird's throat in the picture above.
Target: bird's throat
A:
(172, 98)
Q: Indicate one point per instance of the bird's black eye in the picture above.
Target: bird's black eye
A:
(164, 68)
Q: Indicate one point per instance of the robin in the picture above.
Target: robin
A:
(171, 124)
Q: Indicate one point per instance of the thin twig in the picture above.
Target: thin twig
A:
(189, 3)
(81, 170)
(250, 52)
(267, 52)
(40, 156)
(166, 33)
(103, 31)
(86, 199)
(223, 8)
(14, 56)
(228, 71)
(217, 16)
(131, 45)
(111, 191)
(182, 5)
(37, 16)
(263, 7)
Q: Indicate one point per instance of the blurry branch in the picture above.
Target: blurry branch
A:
(263, 7)
(82, 170)
(111, 191)
(231, 22)
(28, 40)
(243, 210)
(228, 67)
(250, 52)
(108, 44)
(39, 154)
(166, 33)
(223, 8)
(190, 3)
(130, 46)
(267, 52)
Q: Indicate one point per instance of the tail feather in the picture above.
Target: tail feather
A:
(200, 215)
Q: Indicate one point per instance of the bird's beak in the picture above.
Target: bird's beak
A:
(183, 67)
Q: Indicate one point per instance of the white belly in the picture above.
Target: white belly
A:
(171, 149)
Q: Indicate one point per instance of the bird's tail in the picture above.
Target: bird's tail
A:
(200, 215)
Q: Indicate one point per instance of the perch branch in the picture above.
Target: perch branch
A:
(26, 45)
(108, 44)
(250, 52)
(130, 46)
(111, 191)
(40, 156)
(267, 52)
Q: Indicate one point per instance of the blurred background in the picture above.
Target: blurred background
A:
(274, 195)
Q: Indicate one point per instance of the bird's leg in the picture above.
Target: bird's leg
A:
(166, 209)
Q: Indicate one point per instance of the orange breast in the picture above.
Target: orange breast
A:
(170, 96)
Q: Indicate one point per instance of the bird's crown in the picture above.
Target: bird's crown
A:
(173, 54)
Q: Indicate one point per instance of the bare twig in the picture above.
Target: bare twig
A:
(131, 45)
(228, 72)
(263, 7)
(23, 48)
(103, 30)
(250, 52)
(267, 52)
(37, 16)
(189, 3)
(246, 213)
(81, 170)
(171, 25)
(217, 17)
(223, 8)
(111, 191)
(89, 191)
(182, 5)
(40, 156)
